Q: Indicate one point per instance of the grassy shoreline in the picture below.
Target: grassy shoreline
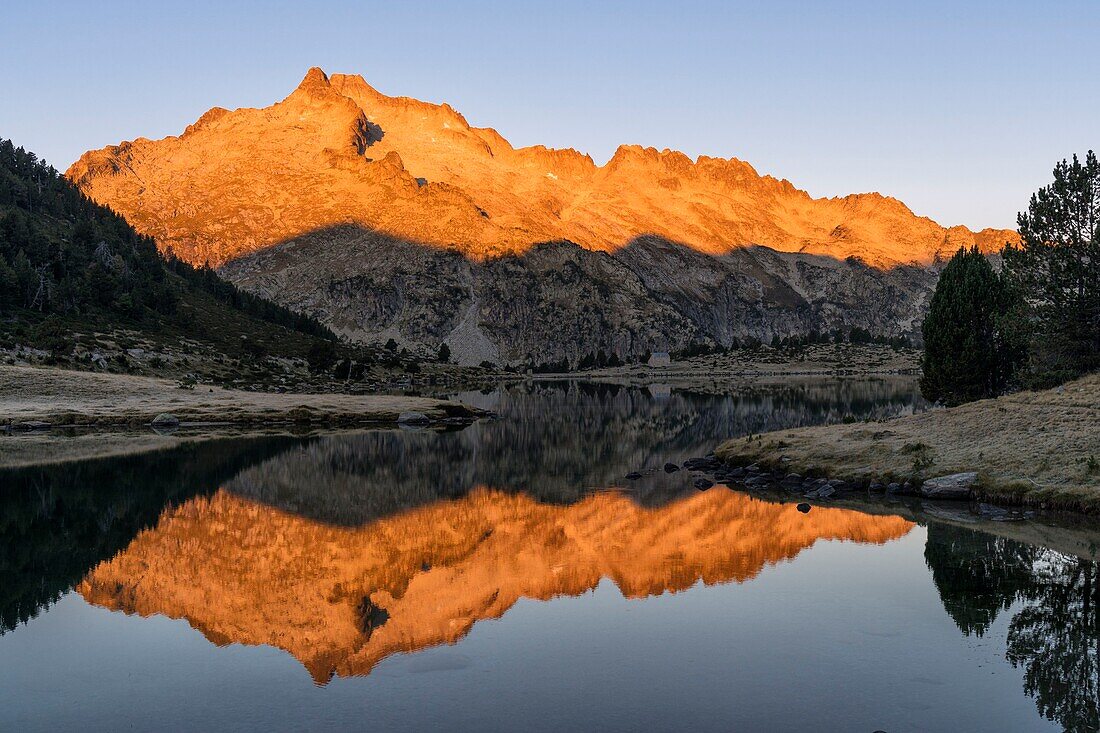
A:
(35, 403)
(62, 398)
(1029, 448)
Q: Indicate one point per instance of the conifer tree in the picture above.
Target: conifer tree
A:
(1056, 269)
(969, 353)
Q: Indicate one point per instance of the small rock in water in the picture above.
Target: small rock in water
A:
(671, 468)
(633, 476)
(165, 420)
(703, 484)
(708, 463)
(413, 418)
(803, 507)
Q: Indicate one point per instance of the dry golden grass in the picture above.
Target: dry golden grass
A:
(65, 398)
(1039, 448)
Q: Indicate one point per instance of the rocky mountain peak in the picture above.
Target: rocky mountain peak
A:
(390, 216)
(501, 199)
(315, 81)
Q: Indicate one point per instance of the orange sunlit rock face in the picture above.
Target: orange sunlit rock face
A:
(240, 571)
(336, 151)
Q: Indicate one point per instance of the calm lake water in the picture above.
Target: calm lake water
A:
(507, 577)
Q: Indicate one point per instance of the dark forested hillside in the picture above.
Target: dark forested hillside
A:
(69, 265)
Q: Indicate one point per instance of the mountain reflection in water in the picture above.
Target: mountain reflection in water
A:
(241, 571)
(554, 441)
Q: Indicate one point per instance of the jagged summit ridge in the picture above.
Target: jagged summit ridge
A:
(337, 151)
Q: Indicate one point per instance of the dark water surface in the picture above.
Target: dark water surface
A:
(507, 577)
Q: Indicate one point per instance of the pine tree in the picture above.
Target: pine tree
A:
(1057, 271)
(969, 352)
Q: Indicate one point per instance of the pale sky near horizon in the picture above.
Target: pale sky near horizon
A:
(959, 109)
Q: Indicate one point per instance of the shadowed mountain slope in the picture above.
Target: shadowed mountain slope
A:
(560, 302)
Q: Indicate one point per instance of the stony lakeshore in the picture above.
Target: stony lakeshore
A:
(1037, 449)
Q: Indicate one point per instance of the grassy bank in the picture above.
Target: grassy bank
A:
(1030, 448)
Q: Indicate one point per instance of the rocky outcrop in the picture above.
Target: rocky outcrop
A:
(652, 250)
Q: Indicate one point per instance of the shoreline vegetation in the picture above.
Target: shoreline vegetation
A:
(807, 360)
(1032, 448)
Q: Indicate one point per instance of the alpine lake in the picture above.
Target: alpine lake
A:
(508, 576)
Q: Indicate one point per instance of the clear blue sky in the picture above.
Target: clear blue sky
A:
(959, 109)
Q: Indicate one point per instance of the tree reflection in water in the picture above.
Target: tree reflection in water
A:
(1054, 634)
(1056, 639)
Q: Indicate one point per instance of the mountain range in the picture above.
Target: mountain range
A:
(388, 217)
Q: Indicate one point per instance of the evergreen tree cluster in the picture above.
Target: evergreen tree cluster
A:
(853, 335)
(63, 254)
(1037, 322)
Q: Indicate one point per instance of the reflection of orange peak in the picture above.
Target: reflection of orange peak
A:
(237, 181)
(244, 572)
